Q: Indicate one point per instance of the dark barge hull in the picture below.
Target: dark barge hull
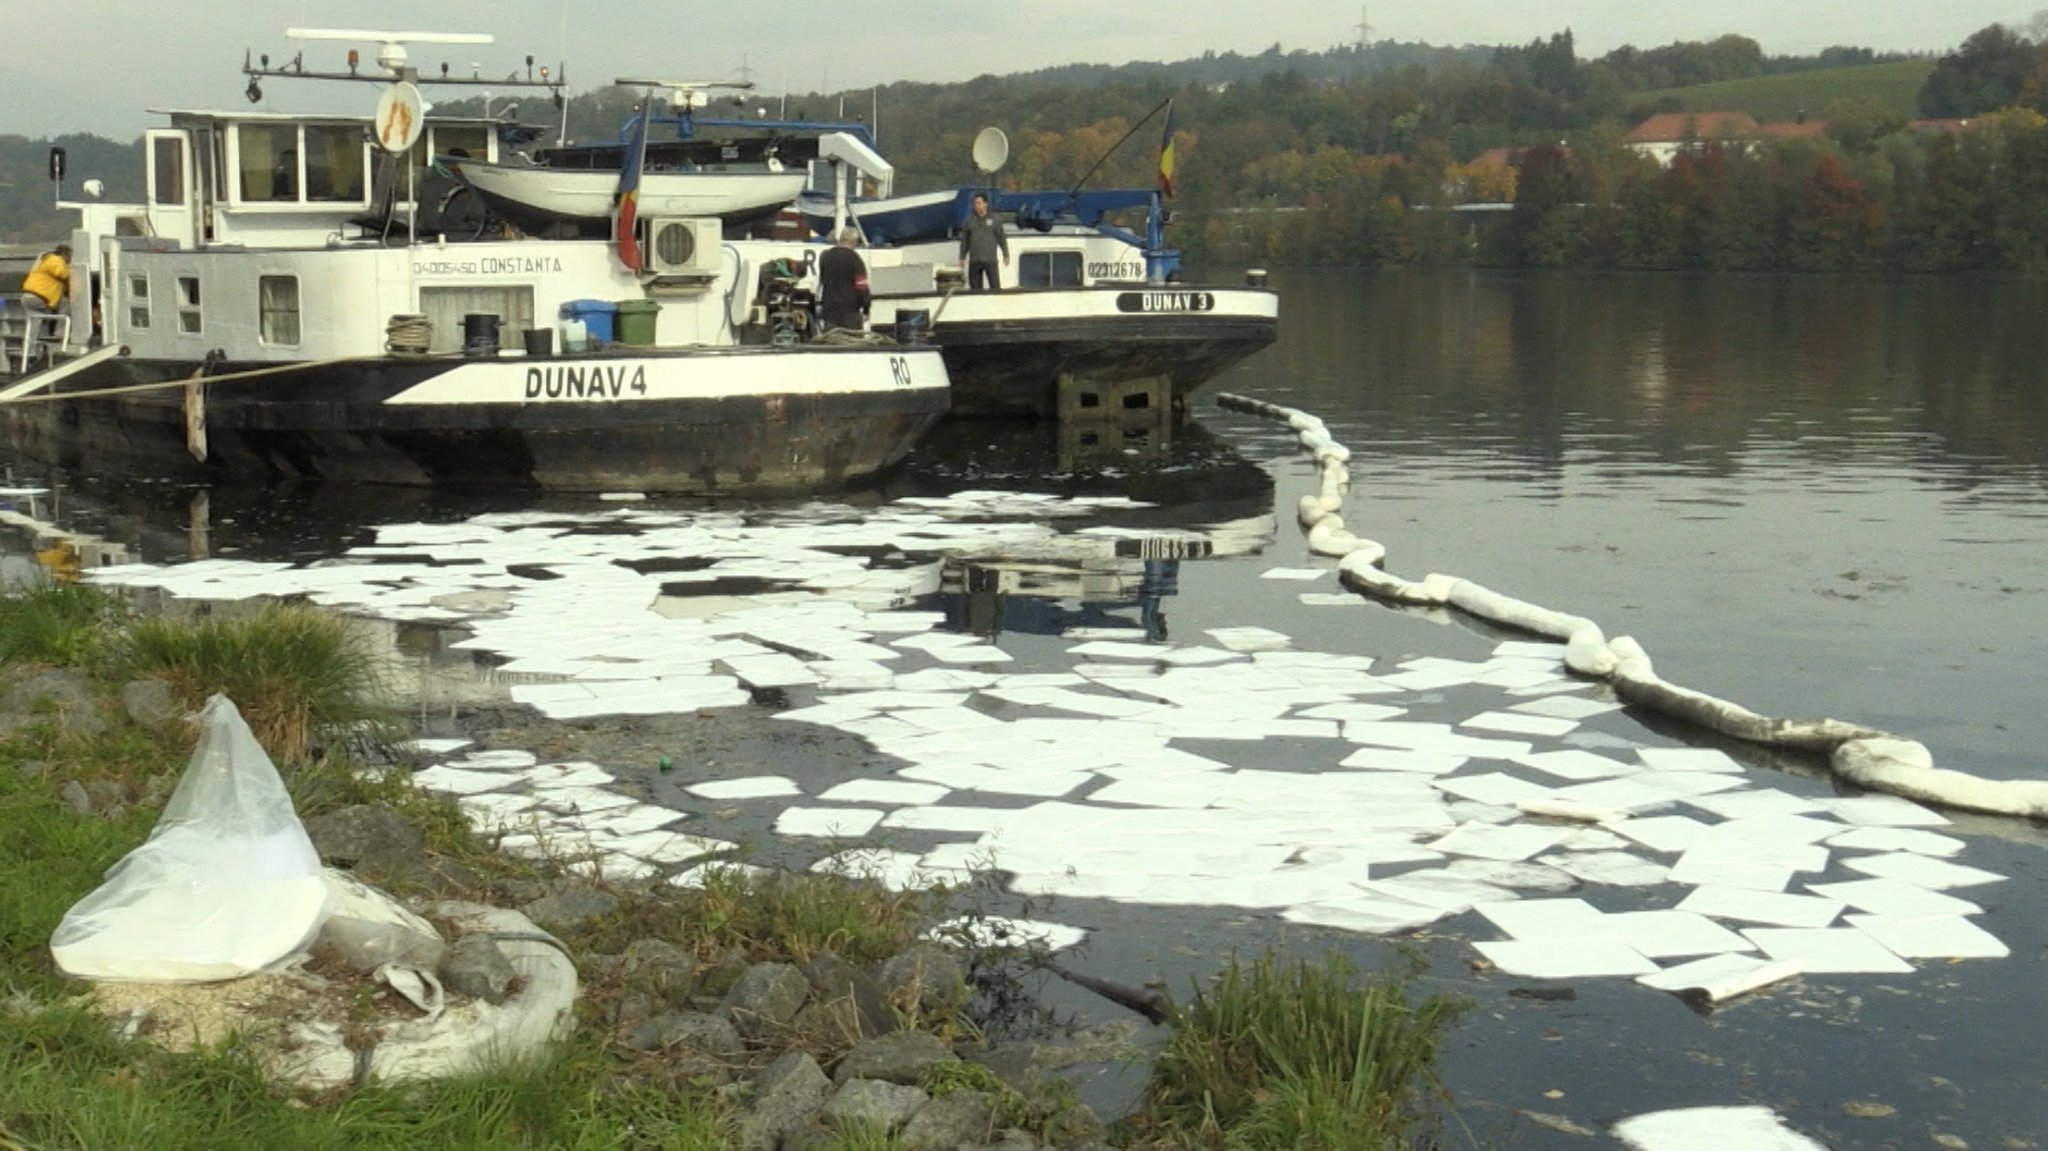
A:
(1014, 353)
(674, 422)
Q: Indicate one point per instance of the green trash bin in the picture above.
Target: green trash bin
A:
(636, 322)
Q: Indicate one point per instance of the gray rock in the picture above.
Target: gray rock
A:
(788, 1094)
(946, 1122)
(659, 970)
(32, 768)
(362, 833)
(898, 1058)
(833, 1025)
(150, 702)
(598, 967)
(834, 979)
(476, 967)
(73, 796)
(570, 907)
(698, 1046)
(1088, 1143)
(1021, 1066)
(1012, 1139)
(379, 845)
(765, 999)
(707, 1033)
(875, 1101)
(109, 798)
(717, 978)
(632, 1009)
(64, 693)
(927, 976)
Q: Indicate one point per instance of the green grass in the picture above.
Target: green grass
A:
(293, 672)
(55, 623)
(862, 1135)
(1288, 1055)
(66, 1082)
(1894, 86)
(784, 916)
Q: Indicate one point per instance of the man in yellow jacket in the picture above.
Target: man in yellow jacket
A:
(49, 283)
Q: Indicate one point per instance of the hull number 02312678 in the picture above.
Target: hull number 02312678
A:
(1165, 302)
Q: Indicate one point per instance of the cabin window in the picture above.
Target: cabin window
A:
(188, 304)
(138, 301)
(296, 164)
(167, 167)
(461, 140)
(269, 161)
(334, 162)
(1049, 270)
(278, 308)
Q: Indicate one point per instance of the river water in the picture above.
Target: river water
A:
(1812, 496)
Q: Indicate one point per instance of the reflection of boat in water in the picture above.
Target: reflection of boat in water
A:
(1193, 497)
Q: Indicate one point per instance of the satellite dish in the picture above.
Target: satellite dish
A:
(401, 118)
(991, 149)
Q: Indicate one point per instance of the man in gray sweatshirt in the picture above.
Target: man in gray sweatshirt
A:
(981, 238)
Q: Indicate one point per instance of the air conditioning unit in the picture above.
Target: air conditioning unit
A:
(684, 247)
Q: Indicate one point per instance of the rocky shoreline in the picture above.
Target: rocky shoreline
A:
(799, 1049)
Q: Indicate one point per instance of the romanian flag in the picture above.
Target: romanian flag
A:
(629, 189)
(1166, 154)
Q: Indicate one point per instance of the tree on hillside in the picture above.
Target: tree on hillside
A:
(1984, 75)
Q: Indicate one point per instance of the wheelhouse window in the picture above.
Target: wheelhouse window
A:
(300, 163)
(1049, 270)
(167, 163)
(334, 162)
(278, 308)
(269, 162)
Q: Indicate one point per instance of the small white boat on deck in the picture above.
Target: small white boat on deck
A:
(542, 199)
(240, 319)
(743, 172)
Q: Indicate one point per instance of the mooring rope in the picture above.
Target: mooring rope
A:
(408, 334)
(223, 378)
(1866, 756)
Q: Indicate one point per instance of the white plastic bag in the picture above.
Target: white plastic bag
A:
(369, 930)
(227, 883)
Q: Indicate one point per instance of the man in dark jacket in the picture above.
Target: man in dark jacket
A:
(843, 284)
(981, 238)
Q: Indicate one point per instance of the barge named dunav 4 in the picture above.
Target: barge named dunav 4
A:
(274, 307)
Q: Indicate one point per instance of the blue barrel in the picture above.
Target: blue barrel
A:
(598, 317)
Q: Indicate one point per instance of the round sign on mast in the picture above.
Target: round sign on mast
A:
(991, 149)
(401, 117)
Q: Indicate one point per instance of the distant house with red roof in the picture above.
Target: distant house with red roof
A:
(1663, 136)
(1666, 134)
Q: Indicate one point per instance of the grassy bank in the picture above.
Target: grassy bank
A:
(1275, 1055)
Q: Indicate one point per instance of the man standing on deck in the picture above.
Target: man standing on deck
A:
(843, 284)
(981, 237)
(46, 285)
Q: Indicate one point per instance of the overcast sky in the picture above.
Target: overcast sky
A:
(97, 65)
